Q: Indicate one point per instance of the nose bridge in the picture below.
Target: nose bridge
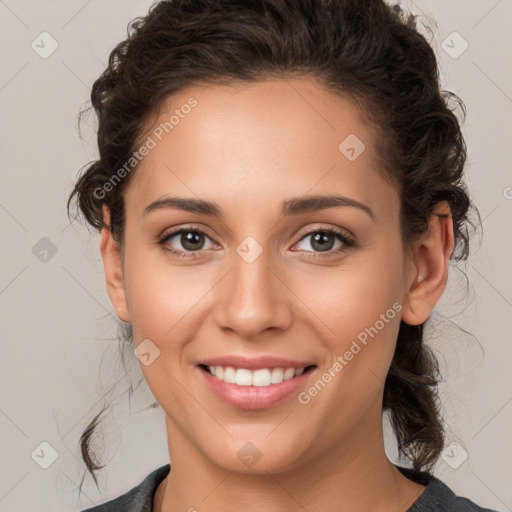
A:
(253, 299)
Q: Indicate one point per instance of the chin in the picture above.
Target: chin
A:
(257, 457)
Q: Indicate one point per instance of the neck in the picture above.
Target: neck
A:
(354, 475)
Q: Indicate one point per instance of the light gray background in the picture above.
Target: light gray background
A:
(57, 325)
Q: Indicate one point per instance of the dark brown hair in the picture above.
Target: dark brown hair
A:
(365, 50)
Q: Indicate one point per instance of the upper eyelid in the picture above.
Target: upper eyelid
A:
(185, 229)
(302, 233)
(331, 230)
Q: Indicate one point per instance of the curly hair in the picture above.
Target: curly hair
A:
(364, 50)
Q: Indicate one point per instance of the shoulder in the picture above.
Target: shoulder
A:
(438, 497)
(138, 499)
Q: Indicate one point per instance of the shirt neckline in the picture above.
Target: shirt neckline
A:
(434, 488)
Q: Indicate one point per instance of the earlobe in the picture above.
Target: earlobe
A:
(112, 263)
(428, 267)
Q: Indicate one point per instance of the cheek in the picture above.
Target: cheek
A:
(358, 308)
(162, 298)
(164, 301)
(352, 297)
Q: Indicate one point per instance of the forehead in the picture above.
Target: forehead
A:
(286, 136)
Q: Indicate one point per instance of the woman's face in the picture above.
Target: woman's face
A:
(263, 278)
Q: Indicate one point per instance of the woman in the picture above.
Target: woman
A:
(280, 192)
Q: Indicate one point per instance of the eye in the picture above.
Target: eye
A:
(324, 241)
(187, 240)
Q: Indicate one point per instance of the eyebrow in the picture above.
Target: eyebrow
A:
(294, 206)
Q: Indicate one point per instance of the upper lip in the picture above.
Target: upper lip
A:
(255, 363)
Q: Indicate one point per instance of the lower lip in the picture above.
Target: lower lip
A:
(254, 397)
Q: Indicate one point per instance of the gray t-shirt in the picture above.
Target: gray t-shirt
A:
(437, 497)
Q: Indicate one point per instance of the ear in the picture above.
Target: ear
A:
(112, 263)
(428, 266)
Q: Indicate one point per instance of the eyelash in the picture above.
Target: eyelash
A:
(348, 243)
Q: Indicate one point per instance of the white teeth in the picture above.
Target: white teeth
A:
(289, 373)
(243, 377)
(261, 377)
(229, 375)
(277, 376)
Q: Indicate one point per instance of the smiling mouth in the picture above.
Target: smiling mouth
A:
(261, 377)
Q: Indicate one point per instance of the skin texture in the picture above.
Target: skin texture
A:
(248, 149)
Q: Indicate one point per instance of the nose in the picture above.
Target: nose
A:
(253, 298)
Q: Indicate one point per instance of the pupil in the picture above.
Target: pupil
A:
(190, 238)
(321, 239)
